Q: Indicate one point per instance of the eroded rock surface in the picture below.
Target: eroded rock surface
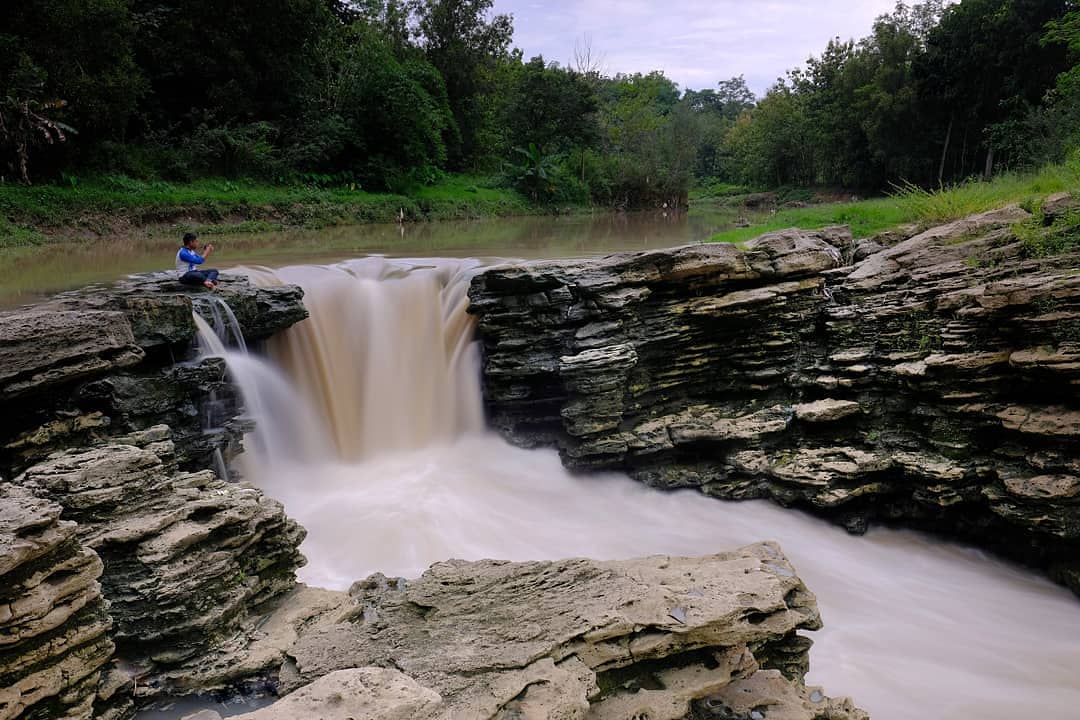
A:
(187, 556)
(656, 638)
(113, 360)
(933, 382)
(53, 620)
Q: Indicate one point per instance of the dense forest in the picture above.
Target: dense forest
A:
(391, 94)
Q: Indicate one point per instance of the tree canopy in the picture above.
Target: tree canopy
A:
(391, 93)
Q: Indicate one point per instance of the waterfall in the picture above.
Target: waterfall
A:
(370, 430)
(287, 429)
(387, 358)
(222, 330)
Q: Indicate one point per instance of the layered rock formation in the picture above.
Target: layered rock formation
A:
(187, 556)
(108, 361)
(932, 382)
(90, 386)
(53, 620)
(661, 638)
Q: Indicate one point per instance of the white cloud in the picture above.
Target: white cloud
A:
(695, 42)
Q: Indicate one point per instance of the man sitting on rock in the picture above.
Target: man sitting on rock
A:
(189, 258)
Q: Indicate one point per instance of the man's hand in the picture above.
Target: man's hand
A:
(207, 250)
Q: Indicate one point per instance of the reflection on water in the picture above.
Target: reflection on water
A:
(29, 274)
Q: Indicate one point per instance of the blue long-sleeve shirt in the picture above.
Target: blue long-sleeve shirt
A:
(187, 260)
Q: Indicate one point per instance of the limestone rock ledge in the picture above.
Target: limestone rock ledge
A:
(53, 619)
(932, 382)
(112, 360)
(187, 556)
(662, 638)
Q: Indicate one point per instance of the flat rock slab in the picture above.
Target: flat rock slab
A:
(41, 349)
(567, 639)
(826, 410)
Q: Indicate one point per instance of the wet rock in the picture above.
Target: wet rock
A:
(932, 382)
(53, 620)
(568, 639)
(187, 555)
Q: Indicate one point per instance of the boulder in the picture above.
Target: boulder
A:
(568, 639)
(1059, 205)
(821, 411)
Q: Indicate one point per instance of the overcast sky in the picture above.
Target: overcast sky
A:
(695, 42)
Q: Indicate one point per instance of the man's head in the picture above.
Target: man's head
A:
(191, 242)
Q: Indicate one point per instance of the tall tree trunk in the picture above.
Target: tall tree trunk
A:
(944, 153)
(989, 171)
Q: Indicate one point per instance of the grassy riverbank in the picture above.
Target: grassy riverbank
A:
(101, 206)
(912, 205)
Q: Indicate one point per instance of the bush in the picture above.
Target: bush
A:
(234, 151)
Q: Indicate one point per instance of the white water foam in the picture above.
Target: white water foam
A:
(365, 454)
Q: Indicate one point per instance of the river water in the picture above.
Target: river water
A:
(28, 274)
(371, 431)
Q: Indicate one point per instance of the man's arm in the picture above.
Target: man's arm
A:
(206, 252)
(190, 256)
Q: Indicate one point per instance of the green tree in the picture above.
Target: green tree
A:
(553, 107)
(649, 138)
(773, 144)
(66, 63)
(466, 46)
(227, 62)
(984, 65)
(372, 113)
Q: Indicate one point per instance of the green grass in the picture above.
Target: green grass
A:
(713, 191)
(974, 197)
(1045, 237)
(101, 205)
(912, 205)
(866, 218)
(12, 235)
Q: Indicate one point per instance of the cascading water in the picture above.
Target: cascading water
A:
(371, 432)
(223, 329)
(386, 359)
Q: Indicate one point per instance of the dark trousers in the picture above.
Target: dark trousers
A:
(198, 277)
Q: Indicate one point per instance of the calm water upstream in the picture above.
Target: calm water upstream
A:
(371, 430)
(32, 273)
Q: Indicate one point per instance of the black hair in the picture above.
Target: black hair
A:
(189, 238)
